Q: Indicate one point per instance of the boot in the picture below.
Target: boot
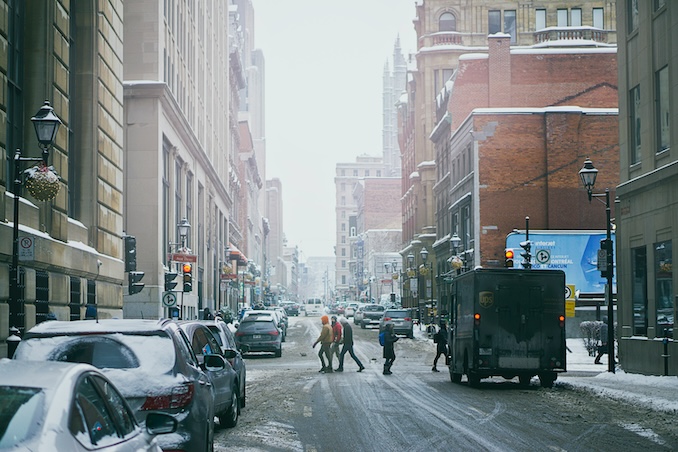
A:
(434, 369)
(361, 368)
(339, 369)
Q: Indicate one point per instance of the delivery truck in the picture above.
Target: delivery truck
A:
(507, 323)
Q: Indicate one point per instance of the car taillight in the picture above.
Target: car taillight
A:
(407, 319)
(239, 333)
(274, 333)
(180, 397)
(386, 319)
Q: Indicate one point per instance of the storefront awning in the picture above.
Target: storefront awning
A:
(237, 255)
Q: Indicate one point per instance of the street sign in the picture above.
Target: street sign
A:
(181, 257)
(169, 299)
(26, 248)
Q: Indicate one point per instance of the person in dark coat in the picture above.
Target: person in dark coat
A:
(389, 353)
(348, 347)
(440, 338)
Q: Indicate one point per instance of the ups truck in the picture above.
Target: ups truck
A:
(508, 323)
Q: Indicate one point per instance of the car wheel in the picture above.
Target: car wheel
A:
(230, 417)
(244, 396)
(278, 353)
(362, 325)
(209, 441)
(411, 334)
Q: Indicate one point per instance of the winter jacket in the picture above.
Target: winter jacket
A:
(336, 331)
(325, 334)
(389, 340)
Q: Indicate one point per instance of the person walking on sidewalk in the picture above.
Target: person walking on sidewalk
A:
(602, 348)
(440, 339)
(325, 340)
(348, 347)
(336, 341)
(389, 352)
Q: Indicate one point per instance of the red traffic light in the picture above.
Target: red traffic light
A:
(187, 268)
(509, 254)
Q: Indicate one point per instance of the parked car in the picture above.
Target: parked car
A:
(358, 314)
(270, 312)
(401, 320)
(341, 308)
(224, 336)
(259, 333)
(225, 381)
(63, 406)
(150, 361)
(291, 307)
(372, 314)
(283, 317)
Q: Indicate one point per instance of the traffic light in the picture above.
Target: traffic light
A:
(130, 253)
(170, 282)
(605, 258)
(508, 257)
(527, 257)
(188, 277)
(134, 285)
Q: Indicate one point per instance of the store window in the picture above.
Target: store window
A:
(663, 123)
(639, 290)
(663, 258)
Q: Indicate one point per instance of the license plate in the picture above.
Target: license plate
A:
(256, 336)
(398, 323)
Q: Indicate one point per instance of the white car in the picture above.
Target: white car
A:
(350, 309)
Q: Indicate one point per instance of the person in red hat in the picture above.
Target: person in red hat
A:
(326, 337)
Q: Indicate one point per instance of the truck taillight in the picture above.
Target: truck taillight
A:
(476, 318)
(561, 319)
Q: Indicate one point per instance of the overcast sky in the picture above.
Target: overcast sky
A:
(324, 67)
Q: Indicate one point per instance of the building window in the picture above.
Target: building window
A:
(562, 18)
(575, 17)
(639, 290)
(447, 22)
(343, 214)
(662, 120)
(343, 251)
(343, 200)
(355, 173)
(378, 173)
(658, 4)
(343, 172)
(598, 18)
(352, 233)
(343, 187)
(367, 173)
(343, 279)
(632, 15)
(510, 25)
(343, 227)
(493, 22)
(343, 263)
(540, 19)
(343, 239)
(663, 259)
(634, 122)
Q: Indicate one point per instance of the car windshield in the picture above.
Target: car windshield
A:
(375, 308)
(22, 409)
(152, 351)
(397, 314)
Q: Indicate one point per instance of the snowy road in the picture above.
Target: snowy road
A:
(292, 407)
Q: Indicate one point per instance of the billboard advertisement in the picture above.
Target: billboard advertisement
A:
(574, 252)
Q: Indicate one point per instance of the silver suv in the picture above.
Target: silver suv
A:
(401, 320)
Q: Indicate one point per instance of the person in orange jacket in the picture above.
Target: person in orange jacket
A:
(326, 337)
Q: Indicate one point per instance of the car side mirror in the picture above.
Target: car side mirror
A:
(230, 353)
(214, 363)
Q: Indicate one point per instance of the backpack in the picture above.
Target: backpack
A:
(382, 338)
(436, 338)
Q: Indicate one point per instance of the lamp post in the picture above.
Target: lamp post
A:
(424, 258)
(410, 274)
(46, 125)
(391, 268)
(588, 176)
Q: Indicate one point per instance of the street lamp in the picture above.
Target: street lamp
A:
(588, 176)
(391, 268)
(46, 125)
(183, 228)
(424, 257)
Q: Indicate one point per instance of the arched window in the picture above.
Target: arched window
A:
(447, 22)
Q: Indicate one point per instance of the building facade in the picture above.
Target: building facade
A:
(647, 203)
(73, 241)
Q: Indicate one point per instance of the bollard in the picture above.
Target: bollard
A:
(666, 355)
(12, 341)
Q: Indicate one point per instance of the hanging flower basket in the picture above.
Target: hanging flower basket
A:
(42, 182)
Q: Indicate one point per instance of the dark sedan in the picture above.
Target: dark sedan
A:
(259, 333)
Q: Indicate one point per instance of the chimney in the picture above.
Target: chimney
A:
(500, 70)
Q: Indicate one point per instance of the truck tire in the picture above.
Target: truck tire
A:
(547, 379)
(362, 325)
(455, 377)
(524, 379)
(473, 379)
(410, 335)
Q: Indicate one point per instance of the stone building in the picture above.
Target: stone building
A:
(647, 203)
(69, 54)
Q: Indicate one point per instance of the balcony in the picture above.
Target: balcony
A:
(551, 34)
(442, 38)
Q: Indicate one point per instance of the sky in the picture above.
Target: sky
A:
(324, 66)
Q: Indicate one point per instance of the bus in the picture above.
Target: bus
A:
(314, 306)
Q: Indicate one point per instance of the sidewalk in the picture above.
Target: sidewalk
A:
(657, 393)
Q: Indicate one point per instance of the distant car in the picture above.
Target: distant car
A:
(372, 314)
(259, 333)
(350, 309)
(225, 380)
(341, 308)
(151, 362)
(224, 336)
(291, 308)
(358, 314)
(50, 405)
(314, 306)
(401, 320)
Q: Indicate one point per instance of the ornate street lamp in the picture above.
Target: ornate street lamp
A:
(588, 176)
(45, 187)
(184, 227)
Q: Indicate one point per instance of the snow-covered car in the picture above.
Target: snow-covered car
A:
(48, 405)
(150, 361)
